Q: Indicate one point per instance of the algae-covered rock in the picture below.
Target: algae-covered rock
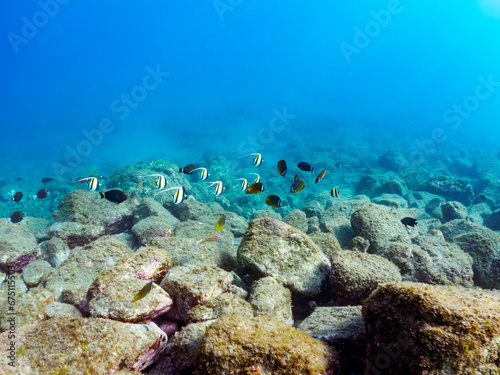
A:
(273, 248)
(262, 345)
(327, 242)
(83, 346)
(150, 227)
(368, 185)
(297, 219)
(269, 298)
(355, 275)
(70, 281)
(493, 220)
(62, 309)
(454, 210)
(76, 234)
(36, 271)
(417, 328)
(453, 189)
(221, 305)
(28, 308)
(18, 246)
(458, 227)
(194, 285)
(116, 302)
(149, 207)
(55, 251)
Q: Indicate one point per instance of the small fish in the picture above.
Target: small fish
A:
(17, 197)
(334, 192)
(255, 188)
(18, 179)
(320, 176)
(244, 183)
(139, 186)
(160, 180)
(144, 291)
(296, 178)
(303, 166)
(115, 196)
(257, 179)
(221, 223)
(219, 188)
(409, 221)
(98, 176)
(257, 160)
(93, 182)
(46, 179)
(178, 196)
(274, 201)
(482, 196)
(203, 173)
(16, 217)
(207, 238)
(188, 169)
(42, 193)
(282, 167)
(297, 186)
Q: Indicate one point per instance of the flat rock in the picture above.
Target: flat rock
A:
(61, 309)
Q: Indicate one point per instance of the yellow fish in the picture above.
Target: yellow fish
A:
(144, 291)
(221, 223)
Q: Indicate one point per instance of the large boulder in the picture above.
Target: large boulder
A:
(18, 247)
(417, 328)
(273, 248)
(453, 189)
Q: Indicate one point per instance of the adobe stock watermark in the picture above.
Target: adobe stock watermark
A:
(364, 36)
(32, 25)
(223, 6)
(122, 107)
(454, 118)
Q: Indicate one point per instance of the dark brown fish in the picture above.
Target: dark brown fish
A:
(17, 197)
(297, 186)
(282, 167)
(303, 166)
(42, 193)
(320, 176)
(46, 179)
(18, 179)
(255, 188)
(188, 169)
(115, 196)
(274, 201)
(409, 221)
(16, 217)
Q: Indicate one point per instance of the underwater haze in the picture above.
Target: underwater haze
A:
(223, 69)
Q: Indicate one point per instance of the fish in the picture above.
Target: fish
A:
(303, 166)
(244, 183)
(409, 221)
(139, 186)
(257, 160)
(93, 182)
(282, 167)
(207, 238)
(221, 223)
(98, 176)
(188, 169)
(257, 179)
(203, 173)
(18, 179)
(320, 176)
(297, 186)
(160, 180)
(115, 196)
(296, 178)
(144, 291)
(16, 217)
(255, 188)
(42, 193)
(178, 196)
(219, 188)
(334, 192)
(482, 196)
(17, 197)
(46, 179)
(274, 201)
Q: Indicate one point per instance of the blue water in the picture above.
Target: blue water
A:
(87, 84)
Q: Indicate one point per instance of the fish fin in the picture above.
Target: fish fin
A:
(102, 195)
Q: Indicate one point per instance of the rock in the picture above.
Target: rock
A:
(355, 275)
(85, 207)
(430, 259)
(420, 200)
(379, 225)
(36, 271)
(262, 345)
(390, 200)
(70, 281)
(313, 225)
(493, 220)
(454, 210)
(150, 227)
(192, 286)
(221, 305)
(394, 186)
(190, 209)
(236, 224)
(393, 160)
(273, 248)
(368, 185)
(269, 298)
(55, 251)
(61, 310)
(18, 246)
(457, 227)
(75, 234)
(327, 242)
(297, 219)
(360, 244)
(79, 346)
(340, 226)
(487, 163)
(415, 177)
(39, 227)
(116, 302)
(149, 207)
(414, 328)
(266, 213)
(486, 258)
(453, 189)
(29, 308)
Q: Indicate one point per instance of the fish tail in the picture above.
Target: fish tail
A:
(102, 195)
(180, 169)
(197, 243)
